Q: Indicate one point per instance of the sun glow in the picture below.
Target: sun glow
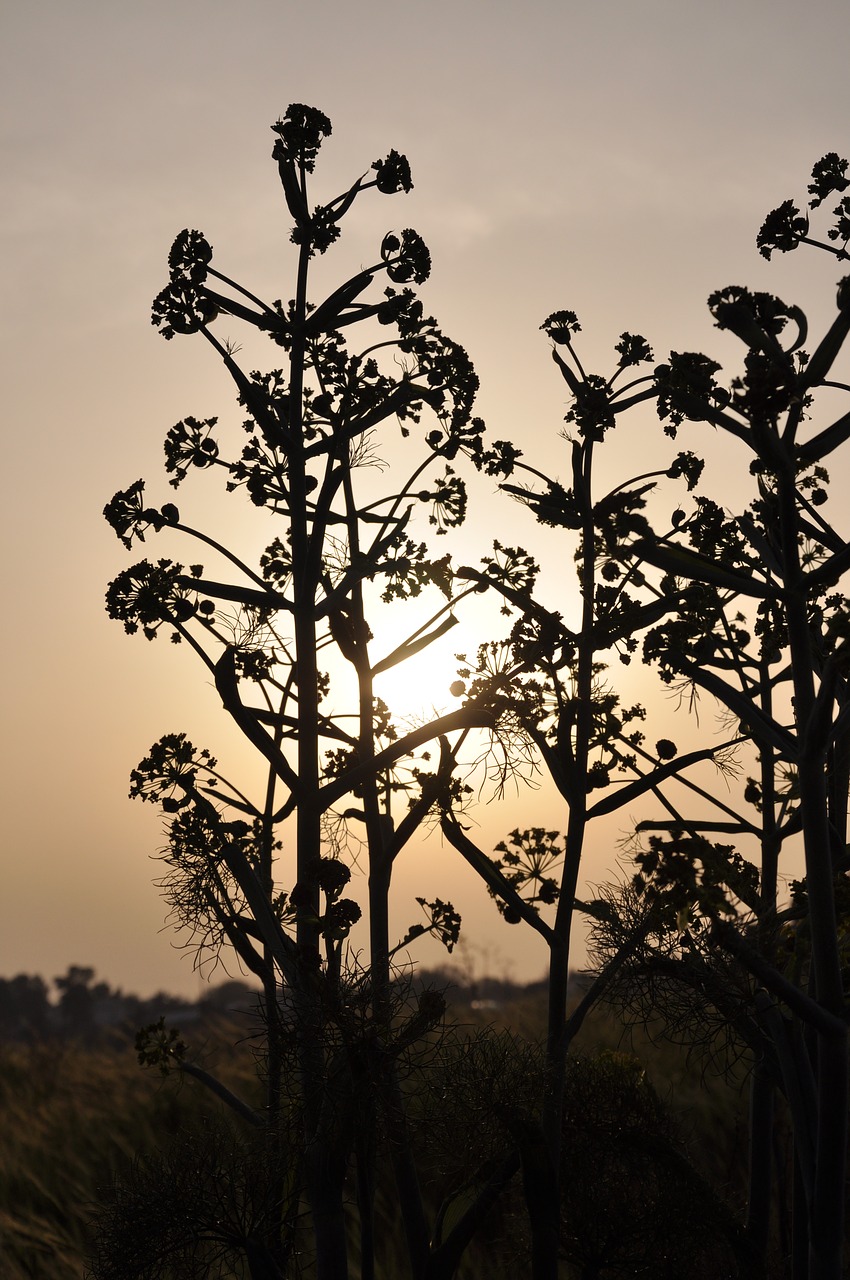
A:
(422, 685)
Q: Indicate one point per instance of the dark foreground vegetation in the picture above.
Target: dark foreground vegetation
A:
(368, 1107)
(92, 1144)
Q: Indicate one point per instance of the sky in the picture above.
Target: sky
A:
(616, 159)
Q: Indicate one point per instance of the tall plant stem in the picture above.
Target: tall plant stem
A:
(324, 1163)
(826, 1218)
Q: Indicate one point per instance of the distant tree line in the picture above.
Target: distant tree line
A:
(84, 1009)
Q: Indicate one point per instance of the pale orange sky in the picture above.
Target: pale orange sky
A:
(615, 158)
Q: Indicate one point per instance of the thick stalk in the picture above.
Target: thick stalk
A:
(762, 1088)
(575, 751)
(274, 1057)
(379, 867)
(827, 1207)
(324, 1169)
(761, 1158)
(771, 843)
(800, 1226)
(379, 834)
(365, 1163)
(304, 592)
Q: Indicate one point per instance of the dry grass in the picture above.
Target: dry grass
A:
(71, 1116)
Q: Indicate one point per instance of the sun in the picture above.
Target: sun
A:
(422, 685)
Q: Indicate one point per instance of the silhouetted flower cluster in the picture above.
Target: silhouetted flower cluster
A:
(189, 444)
(527, 862)
(749, 314)
(149, 595)
(685, 388)
(183, 306)
(685, 875)
(782, 230)
(561, 325)
(172, 763)
(129, 517)
(189, 258)
(633, 349)
(393, 174)
(786, 227)
(406, 257)
(300, 134)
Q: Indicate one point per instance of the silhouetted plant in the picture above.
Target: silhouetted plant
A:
(205, 1208)
(556, 705)
(746, 608)
(290, 648)
(763, 629)
(632, 1202)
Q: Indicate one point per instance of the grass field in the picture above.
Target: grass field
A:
(71, 1116)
